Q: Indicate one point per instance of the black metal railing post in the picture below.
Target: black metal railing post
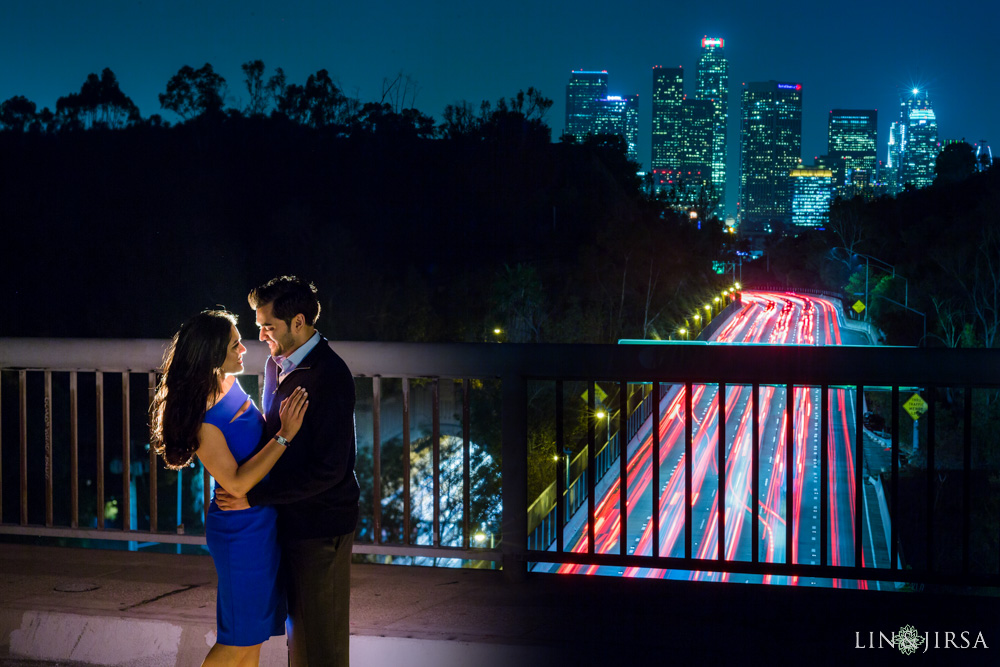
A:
(721, 496)
(514, 476)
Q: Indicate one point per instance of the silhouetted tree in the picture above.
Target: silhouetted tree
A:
(276, 85)
(955, 163)
(17, 113)
(194, 92)
(257, 101)
(951, 320)
(460, 120)
(100, 103)
(848, 224)
(519, 304)
(976, 270)
(399, 92)
(517, 121)
(374, 118)
(44, 120)
(319, 103)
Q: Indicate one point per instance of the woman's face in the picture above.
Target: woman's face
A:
(233, 365)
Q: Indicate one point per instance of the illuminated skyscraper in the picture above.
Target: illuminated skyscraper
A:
(812, 190)
(668, 96)
(619, 115)
(697, 143)
(853, 145)
(897, 139)
(984, 156)
(921, 148)
(632, 126)
(713, 84)
(609, 116)
(770, 146)
(913, 143)
(582, 92)
(690, 181)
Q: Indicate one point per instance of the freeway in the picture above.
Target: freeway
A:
(769, 318)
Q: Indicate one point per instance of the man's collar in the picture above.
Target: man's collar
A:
(289, 363)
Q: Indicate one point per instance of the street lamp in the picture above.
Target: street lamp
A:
(683, 332)
(601, 414)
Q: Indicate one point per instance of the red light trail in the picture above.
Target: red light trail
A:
(771, 318)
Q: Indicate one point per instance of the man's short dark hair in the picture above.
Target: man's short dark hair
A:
(290, 296)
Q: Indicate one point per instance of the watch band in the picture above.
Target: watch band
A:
(284, 442)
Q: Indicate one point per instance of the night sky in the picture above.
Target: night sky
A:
(851, 54)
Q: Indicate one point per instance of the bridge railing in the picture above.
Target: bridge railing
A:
(543, 511)
(48, 386)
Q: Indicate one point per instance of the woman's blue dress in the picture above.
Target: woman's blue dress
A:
(250, 604)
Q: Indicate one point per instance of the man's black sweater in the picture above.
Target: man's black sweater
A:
(313, 484)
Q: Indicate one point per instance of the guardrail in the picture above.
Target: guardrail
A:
(542, 513)
(31, 369)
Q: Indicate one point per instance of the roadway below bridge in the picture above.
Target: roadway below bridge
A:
(764, 318)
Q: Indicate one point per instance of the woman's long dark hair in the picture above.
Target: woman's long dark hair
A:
(191, 368)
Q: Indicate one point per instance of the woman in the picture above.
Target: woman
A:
(201, 410)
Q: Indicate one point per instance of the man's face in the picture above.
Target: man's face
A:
(233, 365)
(274, 332)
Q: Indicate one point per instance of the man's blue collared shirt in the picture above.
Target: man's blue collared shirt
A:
(292, 361)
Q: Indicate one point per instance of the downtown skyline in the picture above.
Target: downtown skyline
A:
(860, 57)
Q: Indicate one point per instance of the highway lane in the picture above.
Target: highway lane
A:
(772, 318)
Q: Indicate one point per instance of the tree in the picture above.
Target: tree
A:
(276, 85)
(955, 163)
(951, 321)
(194, 92)
(17, 113)
(399, 89)
(848, 224)
(517, 121)
(262, 94)
(984, 285)
(519, 303)
(256, 88)
(375, 118)
(532, 104)
(460, 120)
(974, 268)
(44, 120)
(319, 103)
(100, 103)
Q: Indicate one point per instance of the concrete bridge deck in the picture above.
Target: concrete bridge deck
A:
(144, 609)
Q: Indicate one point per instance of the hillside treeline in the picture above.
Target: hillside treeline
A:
(125, 228)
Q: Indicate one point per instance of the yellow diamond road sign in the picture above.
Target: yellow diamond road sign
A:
(599, 394)
(915, 406)
(858, 307)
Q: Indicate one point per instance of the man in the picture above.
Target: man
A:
(313, 485)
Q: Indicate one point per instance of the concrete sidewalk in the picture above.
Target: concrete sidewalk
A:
(151, 610)
(128, 608)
